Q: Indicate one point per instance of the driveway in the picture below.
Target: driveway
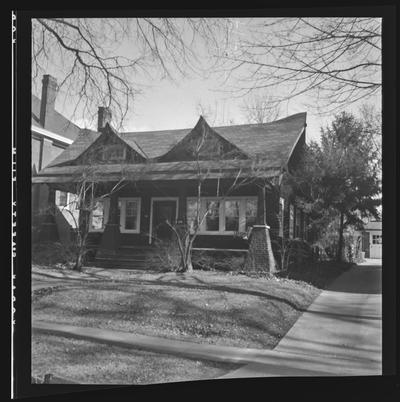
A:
(342, 329)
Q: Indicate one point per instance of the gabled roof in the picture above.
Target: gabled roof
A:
(273, 141)
(58, 124)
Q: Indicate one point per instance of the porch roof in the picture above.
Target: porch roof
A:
(183, 170)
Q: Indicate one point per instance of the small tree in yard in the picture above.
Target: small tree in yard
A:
(339, 178)
(87, 188)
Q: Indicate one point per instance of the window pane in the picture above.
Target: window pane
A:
(212, 218)
(131, 211)
(298, 217)
(251, 213)
(61, 198)
(291, 221)
(232, 215)
(376, 239)
(191, 212)
(98, 215)
(281, 214)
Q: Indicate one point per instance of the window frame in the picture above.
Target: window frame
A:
(122, 215)
(221, 231)
(106, 214)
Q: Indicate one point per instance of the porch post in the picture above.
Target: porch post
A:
(260, 256)
(109, 243)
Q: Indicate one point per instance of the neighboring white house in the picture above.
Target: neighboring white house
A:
(51, 133)
(372, 239)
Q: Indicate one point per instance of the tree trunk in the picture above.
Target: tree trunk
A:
(340, 243)
(83, 230)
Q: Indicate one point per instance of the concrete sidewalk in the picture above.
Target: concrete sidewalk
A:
(342, 328)
(339, 335)
(272, 363)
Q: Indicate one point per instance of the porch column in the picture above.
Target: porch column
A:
(260, 256)
(48, 227)
(110, 239)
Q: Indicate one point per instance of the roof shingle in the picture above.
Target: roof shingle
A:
(274, 141)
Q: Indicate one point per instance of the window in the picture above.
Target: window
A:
(99, 215)
(61, 198)
(281, 215)
(212, 217)
(129, 215)
(251, 213)
(232, 215)
(227, 216)
(191, 213)
(376, 239)
(291, 221)
(113, 153)
(305, 226)
(298, 223)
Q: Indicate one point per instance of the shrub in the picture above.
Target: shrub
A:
(165, 257)
(218, 261)
(53, 254)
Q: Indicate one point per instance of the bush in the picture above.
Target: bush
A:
(165, 257)
(218, 261)
(53, 254)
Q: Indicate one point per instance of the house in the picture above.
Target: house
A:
(51, 133)
(162, 171)
(372, 239)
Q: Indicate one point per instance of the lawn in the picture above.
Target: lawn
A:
(204, 307)
(94, 363)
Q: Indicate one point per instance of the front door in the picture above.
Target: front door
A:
(163, 211)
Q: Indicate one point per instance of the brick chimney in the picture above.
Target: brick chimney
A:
(103, 117)
(49, 94)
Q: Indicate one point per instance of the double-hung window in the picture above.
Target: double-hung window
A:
(99, 215)
(129, 215)
(228, 215)
(281, 215)
(291, 221)
(298, 223)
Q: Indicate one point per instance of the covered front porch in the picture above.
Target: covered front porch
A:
(128, 223)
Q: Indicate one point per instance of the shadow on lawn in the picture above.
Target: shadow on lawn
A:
(136, 311)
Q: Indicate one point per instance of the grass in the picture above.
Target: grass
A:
(204, 307)
(92, 363)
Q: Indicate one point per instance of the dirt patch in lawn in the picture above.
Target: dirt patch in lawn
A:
(204, 307)
(94, 363)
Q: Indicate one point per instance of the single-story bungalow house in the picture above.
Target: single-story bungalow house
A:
(239, 169)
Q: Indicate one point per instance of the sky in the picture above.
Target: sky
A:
(174, 104)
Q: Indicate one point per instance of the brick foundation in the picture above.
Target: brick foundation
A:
(260, 256)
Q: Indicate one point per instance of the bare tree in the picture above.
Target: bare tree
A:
(371, 119)
(335, 61)
(260, 109)
(187, 232)
(101, 61)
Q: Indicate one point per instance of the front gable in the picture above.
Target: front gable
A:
(108, 148)
(203, 143)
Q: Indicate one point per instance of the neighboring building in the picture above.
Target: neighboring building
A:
(51, 133)
(162, 173)
(372, 239)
